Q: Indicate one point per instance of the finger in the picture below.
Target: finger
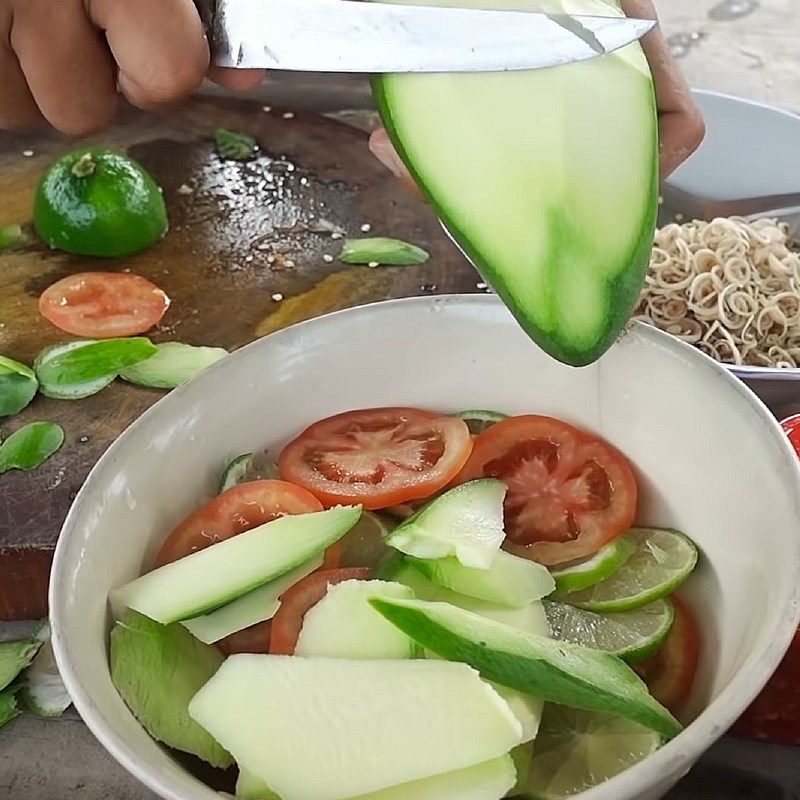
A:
(18, 109)
(681, 126)
(382, 148)
(66, 64)
(159, 46)
(237, 80)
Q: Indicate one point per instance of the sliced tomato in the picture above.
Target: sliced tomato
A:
(774, 716)
(378, 457)
(670, 673)
(569, 492)
(288, 622)
(791, 427)
(254, 639)
(102, 305)
(234, 511)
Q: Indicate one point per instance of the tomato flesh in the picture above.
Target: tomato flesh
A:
(670, 673)
(791, 427)
(102, 305)
(377, 457)
(569, 492)
(236, 510)
(254, 639)
(288, 622)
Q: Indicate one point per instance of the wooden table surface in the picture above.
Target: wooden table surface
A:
(756, 56)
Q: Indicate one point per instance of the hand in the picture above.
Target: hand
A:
(66, 61)
(681, 126)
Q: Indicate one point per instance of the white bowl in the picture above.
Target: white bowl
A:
(711, 460)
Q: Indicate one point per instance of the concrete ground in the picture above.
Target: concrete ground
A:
(757, 56)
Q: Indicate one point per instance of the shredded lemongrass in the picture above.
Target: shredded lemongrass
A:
(729, 287)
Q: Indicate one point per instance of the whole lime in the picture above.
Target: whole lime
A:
(96, 202)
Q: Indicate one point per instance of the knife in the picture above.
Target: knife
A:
(363, 37)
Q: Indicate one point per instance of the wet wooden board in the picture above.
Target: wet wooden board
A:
(239, 235)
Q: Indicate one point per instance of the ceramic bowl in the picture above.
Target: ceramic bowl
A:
(711, 461)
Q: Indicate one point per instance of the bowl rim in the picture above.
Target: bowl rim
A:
(676, 756)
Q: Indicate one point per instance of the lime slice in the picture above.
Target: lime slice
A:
(662, 562)
(601, 565)
(632, 635)
(576, 750)
(364, 545)
(479, 421)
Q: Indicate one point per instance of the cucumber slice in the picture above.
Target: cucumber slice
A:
(509, 581)
(479, 421)
(257, 606)
(157, 669)
(235, 472)
(172, 364)
(369, 724)
(42, 691)
(75, 370)
(379, 250)
(663, 560)
(344, 624)
(16, 656)
(8, 706)
(600, 566)
(18, 386)
(466, 522)
(210, 578)
(551, 196)
(247, 467)
(530, 618)
(576, 750)
(557, 671)
(248, 787)
(631, 635)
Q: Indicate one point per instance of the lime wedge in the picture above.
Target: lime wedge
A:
(662, 562)
(479, 421)
(602, 565)
(576, 750)
(632, 635)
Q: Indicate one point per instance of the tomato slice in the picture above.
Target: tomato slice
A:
(234, 511)
(569, 492)
(254, 639)
(670, 673)
(288, 622)
(102, 305)
(791, 427)
(378, 457)
(774, 715)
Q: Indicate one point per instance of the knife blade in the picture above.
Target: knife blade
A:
(363, 37)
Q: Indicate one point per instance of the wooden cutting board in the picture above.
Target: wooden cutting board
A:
(241, 237)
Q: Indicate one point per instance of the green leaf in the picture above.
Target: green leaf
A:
(12, 236)
(16, 656)
(382, 251)
(18, 386)
(8, 707)
(235, 146)
(78, 369)
(172, 364)
(30, 446)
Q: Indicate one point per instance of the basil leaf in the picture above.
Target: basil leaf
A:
(78, 369)
(18, 386)
(235, 146)
(12, 236)
(382, 251)
(173, 363)
(31, 445)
